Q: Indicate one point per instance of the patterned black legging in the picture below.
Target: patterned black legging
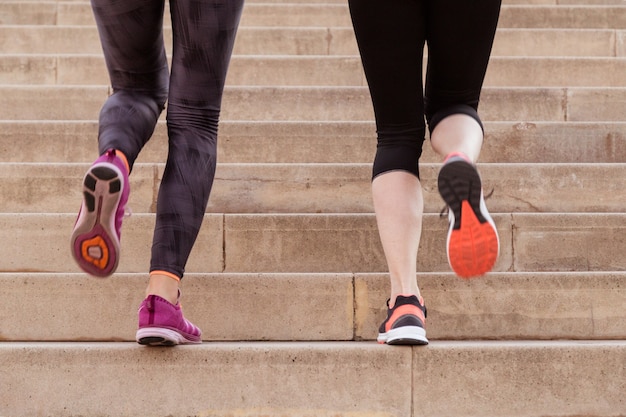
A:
(391, 35)
(131, 33)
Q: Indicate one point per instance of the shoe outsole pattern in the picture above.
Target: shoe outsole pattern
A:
(95, 245)
(472, 243)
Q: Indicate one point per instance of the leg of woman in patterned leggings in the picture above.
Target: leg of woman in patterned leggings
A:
(391, 36)
(131, 33)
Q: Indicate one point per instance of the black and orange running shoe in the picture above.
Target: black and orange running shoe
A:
(405, 322)
(472, 243)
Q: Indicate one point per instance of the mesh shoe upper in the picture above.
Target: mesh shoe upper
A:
(157, 312)
(405, 322)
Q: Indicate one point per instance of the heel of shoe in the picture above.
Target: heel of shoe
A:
(95, 252)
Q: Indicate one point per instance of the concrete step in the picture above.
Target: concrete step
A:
(559, 275)
(244, 70)
(556, 72)
(327, 15)
(36, 242)
(582, 16)
(322, 70)
(41, 39)
(322, 142)
(79, 13)
(295, 379)
(318, 307)
(559, 42)
(315, 188)
(326, 103)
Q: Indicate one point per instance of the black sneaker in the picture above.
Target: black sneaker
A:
(405, 322)
(472, 243)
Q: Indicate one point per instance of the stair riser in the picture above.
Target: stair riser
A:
(295, 380)
(328, 71)
(527, 306)
(311, 15)
(320, 41)
(327, 142)
(325, 243)
(557, 379)
(561, 16)
(285, 380)
(319, 307)
(327, 103)
(312, 188)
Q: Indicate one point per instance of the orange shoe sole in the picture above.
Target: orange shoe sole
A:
(473, 244)
(473, 248)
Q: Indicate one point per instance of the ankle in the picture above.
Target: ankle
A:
(165, 285)
(392, 299)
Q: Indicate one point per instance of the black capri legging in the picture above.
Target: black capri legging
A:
(131, 33)
(391, 35)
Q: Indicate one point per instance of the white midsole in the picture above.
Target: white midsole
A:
(404, 333)
(167, 334)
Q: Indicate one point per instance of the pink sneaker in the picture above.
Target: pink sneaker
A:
(161, 323)
(96, 235)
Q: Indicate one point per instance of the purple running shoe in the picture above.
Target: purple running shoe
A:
(96, 235)
(161, 323)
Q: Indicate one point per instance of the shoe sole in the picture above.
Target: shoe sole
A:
(95, 244)
(157, 336)
(472, 243)
(405, 335)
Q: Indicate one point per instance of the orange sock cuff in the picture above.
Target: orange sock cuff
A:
(167, 274)
(121, 155)
(459, 154)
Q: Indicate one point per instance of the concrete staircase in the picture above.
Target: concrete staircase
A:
(287, 279)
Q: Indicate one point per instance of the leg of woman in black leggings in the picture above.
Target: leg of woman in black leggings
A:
(392, 36)
(131, 33)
